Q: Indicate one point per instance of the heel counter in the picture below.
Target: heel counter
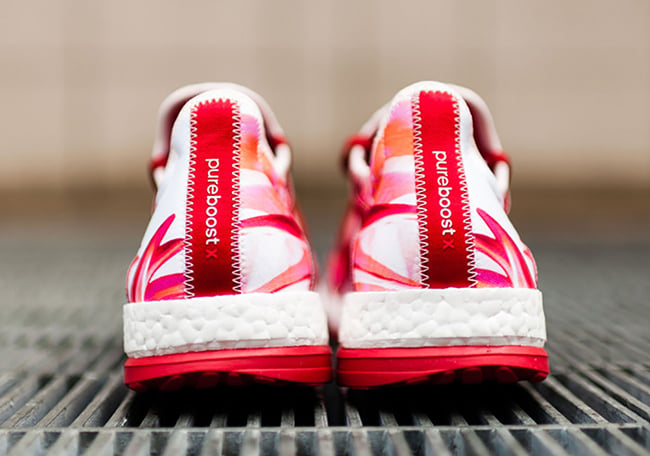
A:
(241, 225)
(222, 200)
(425, 159)
(417, 232)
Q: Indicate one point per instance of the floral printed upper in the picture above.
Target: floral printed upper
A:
(379, 248)
(274, 251)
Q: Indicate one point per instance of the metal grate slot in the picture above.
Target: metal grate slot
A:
(614, 441)
(381, 441)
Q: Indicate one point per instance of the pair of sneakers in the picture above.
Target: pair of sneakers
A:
(429, 281)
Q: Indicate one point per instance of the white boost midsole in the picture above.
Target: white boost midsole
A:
(443, 317)
(251, 320)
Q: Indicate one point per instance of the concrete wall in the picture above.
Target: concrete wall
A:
(568, 82)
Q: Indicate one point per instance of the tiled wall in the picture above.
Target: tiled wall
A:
(568, 82)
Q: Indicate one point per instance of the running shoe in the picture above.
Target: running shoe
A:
(435, 283)
(221, 290)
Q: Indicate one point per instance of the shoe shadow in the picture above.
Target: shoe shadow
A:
(439, 405)
(229, 406)
(328, 405)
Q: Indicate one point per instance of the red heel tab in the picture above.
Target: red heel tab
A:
(211, 233)
(359, 139)
(443, 208)
(276, 140)
(155, 164)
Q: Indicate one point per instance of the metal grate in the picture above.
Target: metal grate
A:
(61, 388)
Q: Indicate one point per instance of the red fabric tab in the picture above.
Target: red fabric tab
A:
(355, 140)
(442, 196)
(212, 206)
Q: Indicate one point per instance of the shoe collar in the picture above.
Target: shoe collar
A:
(172, 105)
(356, 151)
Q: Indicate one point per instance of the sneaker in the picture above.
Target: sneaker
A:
(221, 289)
(436, 285)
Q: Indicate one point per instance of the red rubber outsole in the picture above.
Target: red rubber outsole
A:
(307, 365)
(373, 367)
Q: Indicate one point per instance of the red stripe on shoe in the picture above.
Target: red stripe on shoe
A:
(306, 364)
(211, 256)
(371, 367)
(443, 203)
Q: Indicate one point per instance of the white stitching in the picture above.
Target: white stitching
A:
(236, 202)
(464, 195)
(187, 241)
(420, 191)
